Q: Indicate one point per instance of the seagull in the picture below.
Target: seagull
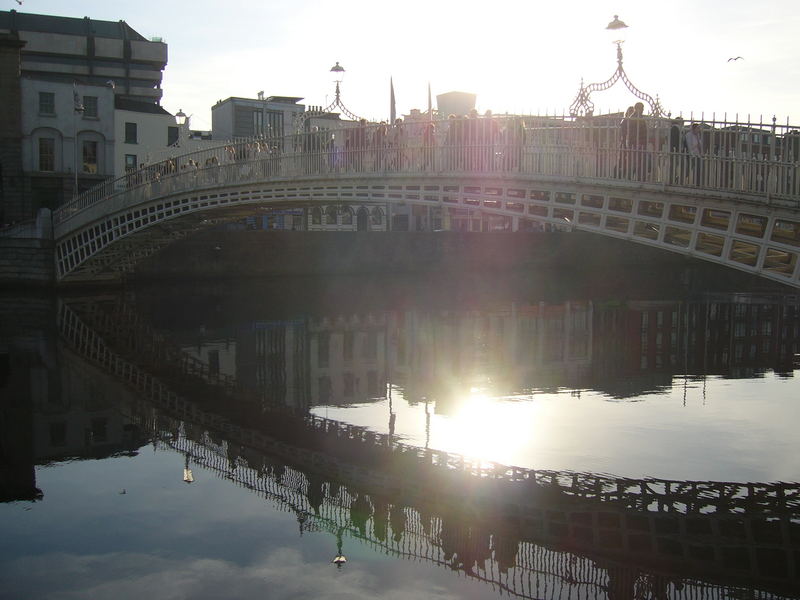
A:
(736, 58)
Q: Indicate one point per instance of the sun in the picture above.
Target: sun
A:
(489, 428)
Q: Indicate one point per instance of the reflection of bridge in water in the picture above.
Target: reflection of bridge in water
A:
(530, 532)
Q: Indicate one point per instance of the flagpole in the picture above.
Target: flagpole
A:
(430, 106)
(392, 108)
(77, 107)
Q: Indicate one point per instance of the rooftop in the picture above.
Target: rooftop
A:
(15, 21)
(275, 99)
(138, 106)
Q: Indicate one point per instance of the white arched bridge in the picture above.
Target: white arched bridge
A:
(737, 203)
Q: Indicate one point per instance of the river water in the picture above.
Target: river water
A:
(176, 440)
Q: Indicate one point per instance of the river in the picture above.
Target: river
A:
(229, 440)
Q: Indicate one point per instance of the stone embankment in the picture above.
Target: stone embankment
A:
(26, 253)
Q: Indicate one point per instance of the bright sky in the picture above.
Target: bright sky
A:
(516, 55)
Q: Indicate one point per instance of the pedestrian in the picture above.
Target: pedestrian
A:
(694, 146)
(677, 151)
(429, 146)
(637, 141)
(398, 142)
(379, 142)
(625, 135)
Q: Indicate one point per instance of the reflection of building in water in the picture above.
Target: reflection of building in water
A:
(621, 349)
(273, 359)
(744, 335)
(80, 417)
(637, 346)
(219, 353)
(643, 344)
(347, 359)
(55, 406)
(19, 367)
(503, 351)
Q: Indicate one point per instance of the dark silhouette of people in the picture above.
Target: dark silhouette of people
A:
(677, 150)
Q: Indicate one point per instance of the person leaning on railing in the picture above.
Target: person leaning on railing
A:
(694, 146)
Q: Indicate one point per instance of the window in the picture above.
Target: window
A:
(258, 122)
(347, 216)
(172, 135)
(130, 162)
(323, 349)
(348, 344)
(89, 157)
(275, 123)
(213, 363)
(325, 389)
(47, 154)
(47, 103)
(58, 434)
(99, 430)
(370, 349)
(90, 106)
(372, 384)
(330, 215)
(349, 384)
(130, 133)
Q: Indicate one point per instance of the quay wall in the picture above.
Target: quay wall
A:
(26, 262)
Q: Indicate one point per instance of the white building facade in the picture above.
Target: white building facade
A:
(66, 129)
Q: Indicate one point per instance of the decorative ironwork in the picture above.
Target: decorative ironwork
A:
(332, 107)
(583, 104)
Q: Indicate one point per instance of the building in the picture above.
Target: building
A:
(91, 52)
(272, 116)
(11, 196)
(455, 103)
(67, 130)
(62, 81)
(143, 132)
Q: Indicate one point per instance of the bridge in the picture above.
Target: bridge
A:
(737, 204)
(516, 529)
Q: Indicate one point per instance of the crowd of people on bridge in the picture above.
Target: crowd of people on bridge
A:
(636, 147)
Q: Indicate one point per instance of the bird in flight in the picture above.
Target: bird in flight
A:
(736, 58)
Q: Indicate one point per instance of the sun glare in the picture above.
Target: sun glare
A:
(489, 428)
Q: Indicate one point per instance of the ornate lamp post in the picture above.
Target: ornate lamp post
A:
(182, 121)
(338, 77)
(582, 105)
(188, 477)
(339, 560)
(337, 104)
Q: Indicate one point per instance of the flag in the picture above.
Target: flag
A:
(430, 106)
(392, 110)
(76, 99)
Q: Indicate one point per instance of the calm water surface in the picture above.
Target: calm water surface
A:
(160, 441)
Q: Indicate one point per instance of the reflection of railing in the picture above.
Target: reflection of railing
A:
(659, 495)
(743, 519)
(523, 566)
(477, 546)
(583, 148)
(153, 348)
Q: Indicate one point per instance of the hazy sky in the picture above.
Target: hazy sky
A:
(517, 56)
